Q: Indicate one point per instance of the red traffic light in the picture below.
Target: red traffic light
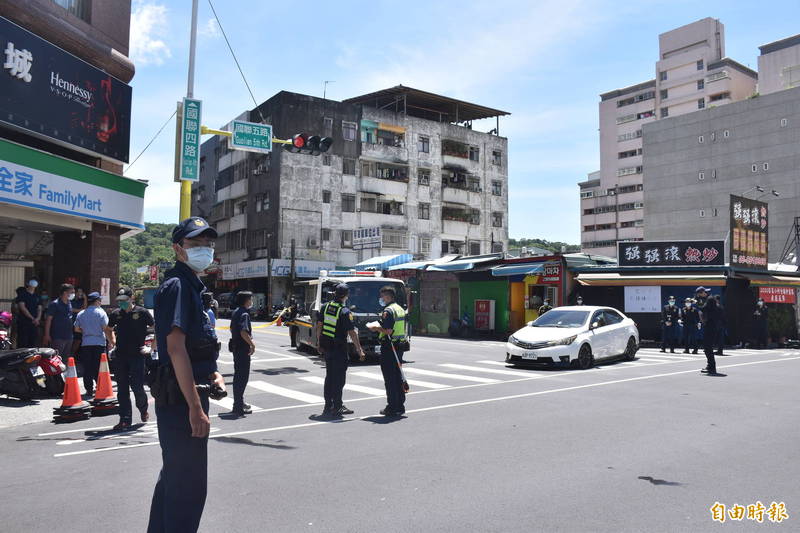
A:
(303, 143)
(299, 140)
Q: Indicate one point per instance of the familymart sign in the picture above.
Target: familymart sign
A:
(35, 179)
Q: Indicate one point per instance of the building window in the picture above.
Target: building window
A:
(629, 153)
(497, 247)
(348, 203)
(497, 188)
(701, 84)
(588, 228)
(701, 175)
(474, 248)
(347, 238)
(475, 217)
(784, 122)
(327, 126)
(662, 75)
(497, 220)
(719, 96)
(425, 245)
(474, 153)
(765, 166)
(701, 103)
(700, 64)
(262, 202)
(629, 171)
(423, 176)
(497, 157)
(629, 136)
(326, 235)
(587, 194)
(349, 166)
(645, 114)
(326, 160)
(79, 8)
(424, 211)
(349, 130)
(326, 197)
(424, 144)
(664, 112)
(395, 239)
(701, 139)
(717, 76)
(726, 133)
(664, 94)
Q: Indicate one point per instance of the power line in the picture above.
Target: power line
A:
(151, 141)
(236, 61)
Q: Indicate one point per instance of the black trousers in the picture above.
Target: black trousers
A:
(335, 376)
(709, 340)
(392, 380)
(293, 336)
(27, 334)
(89, 357)
(241, 375)
(761, 335)
(669, 336)
(129, 371)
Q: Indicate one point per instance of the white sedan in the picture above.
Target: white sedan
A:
(577, 335)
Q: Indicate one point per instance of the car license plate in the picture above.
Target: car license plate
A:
(36, 371)
(529, 355)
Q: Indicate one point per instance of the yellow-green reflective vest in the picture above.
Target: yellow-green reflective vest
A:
(330, 316)
(399, 330)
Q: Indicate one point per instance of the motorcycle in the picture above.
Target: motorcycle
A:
(21, 375)
(53, 367)
(5, 326)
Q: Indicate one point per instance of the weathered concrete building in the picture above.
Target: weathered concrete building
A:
(404, 163)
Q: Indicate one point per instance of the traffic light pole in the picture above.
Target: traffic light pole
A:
(186, 185)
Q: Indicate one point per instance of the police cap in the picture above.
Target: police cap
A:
(192, 227)
(93, 297)
(124, 294)
(342, 290)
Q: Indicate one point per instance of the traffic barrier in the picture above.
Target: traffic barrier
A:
(105, 401)
(73, 407)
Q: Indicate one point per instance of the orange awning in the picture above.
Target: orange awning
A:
(613, 279)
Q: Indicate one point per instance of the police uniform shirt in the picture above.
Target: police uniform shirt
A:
(387, 319)
(131, 328)
(177, 303)
(61, 314)
(344, 325)
(240, 321)
(92, 321)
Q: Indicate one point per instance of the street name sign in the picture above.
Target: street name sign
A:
(251, 136)
(190, 140)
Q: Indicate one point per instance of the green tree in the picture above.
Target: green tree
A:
(553, 246)
(149, 247)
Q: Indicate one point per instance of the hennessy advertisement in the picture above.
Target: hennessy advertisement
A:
(47, 92)
(749, 233)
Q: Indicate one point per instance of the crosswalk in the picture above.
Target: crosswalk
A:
(365, 382)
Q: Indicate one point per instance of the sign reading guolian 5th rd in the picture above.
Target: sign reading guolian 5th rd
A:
(251, 136)
(190, 140)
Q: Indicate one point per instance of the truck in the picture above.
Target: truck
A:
(363, 302)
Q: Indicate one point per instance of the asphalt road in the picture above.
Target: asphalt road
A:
(648, 445)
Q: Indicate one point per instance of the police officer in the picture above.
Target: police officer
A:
(669, 325)
(187, 358)
(392, 331)
(690, 317)
(545, 307)
(709, 316)
(289, 314)
(579, 300)
(243, 349)
(130, 323)
(334, 326)
(208, 307)
(760, 317)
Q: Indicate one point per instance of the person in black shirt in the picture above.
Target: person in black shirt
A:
(761, 317)
(669, 325)
(709, 314)
(29, 316)
(130, 323)
(243, 349)
(690, 317)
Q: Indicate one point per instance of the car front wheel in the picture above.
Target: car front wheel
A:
(585, 359)
(630, 350)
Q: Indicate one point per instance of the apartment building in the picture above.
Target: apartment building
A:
(405, 168)
(691, 73)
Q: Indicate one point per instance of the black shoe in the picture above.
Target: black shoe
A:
(122, 426)
(719, 353)
(694, 352)
(391, 412)
(343, 410)
(704, 371)
(243, 410)
(686, 351)
(672, 351)
(663, 350)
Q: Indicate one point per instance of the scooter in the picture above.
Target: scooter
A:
(5, 326)
(53, 367)
(20, 374)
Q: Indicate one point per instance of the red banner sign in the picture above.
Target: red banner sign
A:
(153, 272)
(777, 295)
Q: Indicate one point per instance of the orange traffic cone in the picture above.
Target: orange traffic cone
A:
(72, 406)
(105, 401)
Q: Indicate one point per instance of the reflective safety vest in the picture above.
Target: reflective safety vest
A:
(330, 317)
(399, 329)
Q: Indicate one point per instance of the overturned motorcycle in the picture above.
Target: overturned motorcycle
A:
(28, 373)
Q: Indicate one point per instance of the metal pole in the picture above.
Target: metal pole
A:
(186, 186)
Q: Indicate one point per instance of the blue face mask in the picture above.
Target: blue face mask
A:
(199, 258)
(381, 302)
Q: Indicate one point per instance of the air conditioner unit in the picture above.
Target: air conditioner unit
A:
(260, 169)
(312, 242)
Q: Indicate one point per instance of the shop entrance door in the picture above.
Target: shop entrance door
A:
(454, 304)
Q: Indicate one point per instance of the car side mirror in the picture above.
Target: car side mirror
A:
(595, 325)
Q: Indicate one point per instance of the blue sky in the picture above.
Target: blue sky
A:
(544, 62)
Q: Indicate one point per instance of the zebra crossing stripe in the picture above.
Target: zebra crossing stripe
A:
(414, 382)
(355, 388)
(497, 363)
(288, 393)
(447, 375)
(516, 373)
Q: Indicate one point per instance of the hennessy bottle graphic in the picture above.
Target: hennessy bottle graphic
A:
(107, 121)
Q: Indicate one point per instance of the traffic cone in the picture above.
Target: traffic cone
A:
(105, 401)
(72, 408)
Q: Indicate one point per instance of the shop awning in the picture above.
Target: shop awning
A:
(686, 280)
(421, 265)
(369, 124)
(463, 264)
(518, 270)
(382, 262)
(391, 127)
(765, 280)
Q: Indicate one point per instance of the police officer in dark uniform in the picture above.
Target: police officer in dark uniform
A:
(130, 323)
(761, 317)
(545, 307)
(243, 349)
(670, 315)
(392, 331)
(334, 326)
(690, 317)
(709, 315)
(188, 351)
(289, 314)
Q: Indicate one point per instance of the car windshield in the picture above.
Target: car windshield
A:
(364, 295)
(561, 319)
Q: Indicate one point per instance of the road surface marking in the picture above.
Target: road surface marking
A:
(271, 360)
(288, 393)
(414, 382)
(517, 373)
(498, 363)
(448, 375)
(372, 391)
(671, 357)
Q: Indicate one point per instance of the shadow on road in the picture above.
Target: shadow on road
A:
(660, 481)
(249, 442)
(384, 419)
(278, 371)
(13, 402)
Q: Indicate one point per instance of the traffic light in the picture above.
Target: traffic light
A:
(302, 143)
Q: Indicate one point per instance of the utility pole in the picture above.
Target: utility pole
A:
(269, 272)
(186, 185)
(291, 266)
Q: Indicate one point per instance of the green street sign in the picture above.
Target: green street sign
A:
(251, 136)
(190, 140)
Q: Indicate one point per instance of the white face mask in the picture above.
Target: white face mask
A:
(760, 304)
(199, 258)
(33, 283)
(71, 296)
(688, 304)
(381, 302)
(672, 302)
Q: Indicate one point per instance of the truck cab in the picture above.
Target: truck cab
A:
(363, 302)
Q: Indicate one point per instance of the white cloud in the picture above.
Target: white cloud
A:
(148, 28)
(210, 29)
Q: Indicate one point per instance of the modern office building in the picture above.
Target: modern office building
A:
(691, 73)
(64, 136)
(406, 176)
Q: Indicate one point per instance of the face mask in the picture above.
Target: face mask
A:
(381, 302)
(760, 304)
(33, 284)
(580, 301)
(71, 296)
(199, 258)
(672, 302)
(688, 304)
(124, 305)
(44, 297)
